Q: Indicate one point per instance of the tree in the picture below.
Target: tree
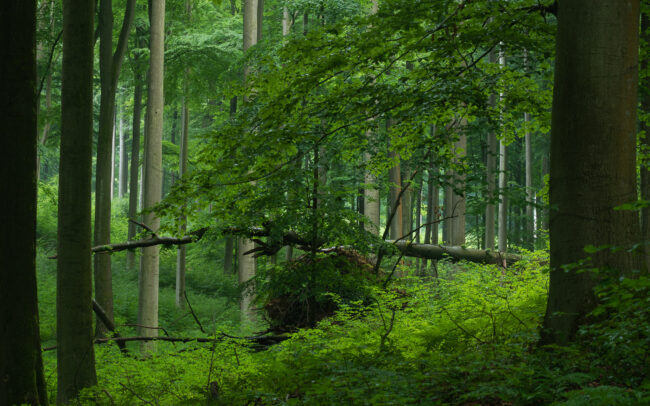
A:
(21, 367)
(246, 263)
(109, 70)
(182, 169)
(593, 147)
(503, 180)
(152, 185)
(135, 151)
(74, 321)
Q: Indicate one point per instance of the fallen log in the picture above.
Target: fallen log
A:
(429, 251)
(259, 342)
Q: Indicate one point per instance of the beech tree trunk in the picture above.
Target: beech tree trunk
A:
(182, 169)
(593, 155)
(454, 203)
(503, 180)
(148, 281)
(135, 166)
(21, 367)
(246, 263)
(74, 319)
(109, 72)
(124, 162)
(491, 166)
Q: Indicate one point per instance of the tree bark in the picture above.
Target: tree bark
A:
(503, 180)
(109, 71)
(135, 165)
(491, 166)
(454, 222)
(246, 263)
(593, 151)
(456, 253)
(75, 353)
(124, 161)
(182, 170)
(645, 141)
(148, 281)
(21, 367)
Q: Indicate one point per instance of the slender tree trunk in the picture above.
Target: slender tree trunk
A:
(109, 69)
(246, 263)
(182, 170)
(74, 319)
(135, 166)
(503, 201)
(148, 281)
(594, 106)
(530, 193)
(407, 207)
(491, 166)
(455, 203)
(21, 367)
(286, 21)
(124, 158)
(395, 182)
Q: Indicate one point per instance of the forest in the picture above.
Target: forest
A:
(325, 202)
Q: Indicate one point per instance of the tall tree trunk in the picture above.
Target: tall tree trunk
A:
(109, 71)
(503, 181)
(455, 203)
(246, 263)
(491, 166)
(124, 161)
(530, 193)
(21, 367)
(74, 320)
(395, 181)
(407, 206)
(645, 107)
(148, 281)
(286, 21)
(182, 170)
(593, 149)
(135, 166)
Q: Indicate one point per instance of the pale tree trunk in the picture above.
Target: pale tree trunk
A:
(135, 166)
(21, 366)
(182, 170)
(74, 319)
(286, 21)
(431, 229)
(371, 201)
(418, 220)
(113, 156)
(109, 68)
(491, 166)
(593, 150)
(246, 263)
(503, 181)
(530, 193)
(148, 281)
(124, 162)
(456, 202)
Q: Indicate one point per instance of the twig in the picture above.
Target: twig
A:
(390, 328)
(461, 327)
(146, 227)
(49, 62)
(141, 326)
(135, 394)
(192, 311)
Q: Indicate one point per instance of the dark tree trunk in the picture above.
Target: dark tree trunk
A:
(593, 154)
(21, 368)
(74, 318)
